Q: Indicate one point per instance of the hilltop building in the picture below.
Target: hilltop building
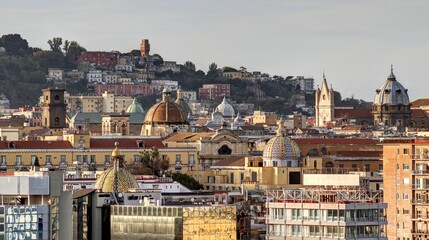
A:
(145, 48)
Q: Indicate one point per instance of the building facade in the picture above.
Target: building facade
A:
(100, 58)
(406, 172)
(53, 108)
(214, 91)
(323, 214)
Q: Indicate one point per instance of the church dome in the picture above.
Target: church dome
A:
(135, 107)
(391, 92)
(166, 111)
(225, 108)
(125, 180)
(281, 148)
(181, 102)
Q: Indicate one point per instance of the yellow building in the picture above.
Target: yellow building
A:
(80, 149)
(266, 118)
(225, 164)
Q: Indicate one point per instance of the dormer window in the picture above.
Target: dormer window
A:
(378, 91)
(398, 91)
(386, 91)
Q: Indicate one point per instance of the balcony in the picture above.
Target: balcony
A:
(421, 201)
(420, 172)
(420, 187)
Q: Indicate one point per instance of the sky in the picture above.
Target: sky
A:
(353, 42)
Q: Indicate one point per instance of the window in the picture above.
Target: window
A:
(18, 160)
(296, 214)
(107, 160)
(367, 168)
(93, 160)
(191, 160)
(3, 160)
(296, 230)
(136, 159)
(85, 160)
(33, 159)
(405, 166)
(231, 178)
(63, 160)
(354, 167)
(48, 160)
(405, 196)
(406, 151)
(406, 181)
(313, 214)
(178, 158)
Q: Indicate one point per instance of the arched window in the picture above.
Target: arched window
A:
(57, 98)
(315, 164)
(57, 121)
(224, 150)
(324, 151)
(329, 165)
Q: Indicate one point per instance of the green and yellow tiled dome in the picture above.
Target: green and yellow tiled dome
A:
(281, 147)
(125, 180)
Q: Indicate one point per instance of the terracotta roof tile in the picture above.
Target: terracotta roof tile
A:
(420, 102)
(188, 137)
(375, 154)
(353, 113)
(418, 113)
(35, 145)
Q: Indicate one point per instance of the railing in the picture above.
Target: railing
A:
(421, 201)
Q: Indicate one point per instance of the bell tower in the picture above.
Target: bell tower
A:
(324, 104)
(53, 109)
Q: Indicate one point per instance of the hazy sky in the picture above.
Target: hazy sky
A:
(353, 41)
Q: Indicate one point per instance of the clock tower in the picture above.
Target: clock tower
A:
(53, 108)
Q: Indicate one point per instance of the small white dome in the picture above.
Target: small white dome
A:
(225, 108)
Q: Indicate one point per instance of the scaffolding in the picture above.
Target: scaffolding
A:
(320, 195)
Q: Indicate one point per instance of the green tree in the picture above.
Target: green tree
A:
(55, 44)
(190, 66)
(187, 181)
(15, 45)
(213, 72)
(157, 59)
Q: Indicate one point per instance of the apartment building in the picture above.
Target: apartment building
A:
(406, 172)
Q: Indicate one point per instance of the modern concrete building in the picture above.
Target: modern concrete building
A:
(33, 206)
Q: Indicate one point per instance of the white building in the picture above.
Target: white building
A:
(55, 74)
(124, 67)
(190, 96)
(305, 84)
(158, 85)
(95, 76)
(110, 78)
(324, 214)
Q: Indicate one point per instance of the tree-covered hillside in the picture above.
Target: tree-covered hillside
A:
(23, 69)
